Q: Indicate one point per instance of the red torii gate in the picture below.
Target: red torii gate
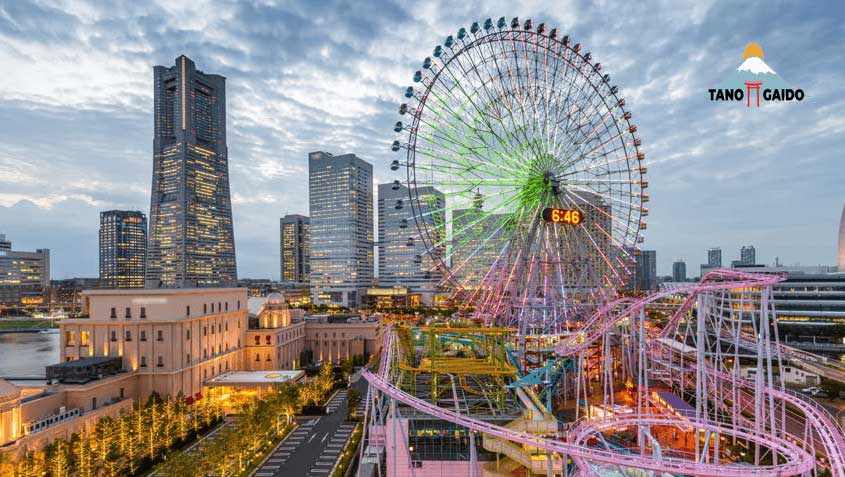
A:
(755, 85)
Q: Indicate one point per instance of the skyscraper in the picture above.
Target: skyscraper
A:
(191, 242)
(714, 257)
(123, 248)
(478, 249)
(341, 201)
(646, 273)
(679, 271)
(403, 258)
(748, 255)
(295, 248)
(842, 241)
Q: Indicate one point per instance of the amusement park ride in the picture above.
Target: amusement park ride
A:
(548, 369)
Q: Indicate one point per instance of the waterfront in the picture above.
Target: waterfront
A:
(26, 354)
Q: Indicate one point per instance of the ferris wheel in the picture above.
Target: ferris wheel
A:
(524, 174)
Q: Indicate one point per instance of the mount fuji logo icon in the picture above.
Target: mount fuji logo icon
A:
(753, 79)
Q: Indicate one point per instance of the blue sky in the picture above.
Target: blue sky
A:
(76, 111)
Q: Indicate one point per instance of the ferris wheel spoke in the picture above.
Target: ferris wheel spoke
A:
(503, 141)
(520, 121)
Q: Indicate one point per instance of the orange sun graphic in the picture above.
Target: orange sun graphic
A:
(753, 49)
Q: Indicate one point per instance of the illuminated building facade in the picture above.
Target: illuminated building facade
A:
(295, 248)
(403, 257)
(23, 275)
(341, 202)
(123, 248)
(191, 241)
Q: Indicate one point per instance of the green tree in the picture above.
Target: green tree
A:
(57, 458)
(353, 399)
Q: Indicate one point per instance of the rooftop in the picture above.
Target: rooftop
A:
(163, 291)
(255, 378)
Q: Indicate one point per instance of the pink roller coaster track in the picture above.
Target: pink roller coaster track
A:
(797, 461)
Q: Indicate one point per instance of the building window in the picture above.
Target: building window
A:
(227, 306)
(219, 327)
(227, 326)
(204, 308)
(219, 307)
(268, 357)
(188, 310)
(143, 312)
(128, 313)
(212, 328)
(257, 340)
(257, 357)
(212, 307)
(143, 361)
(70, 338)
(188, 334)
(204, 353)
(219, 348)
(160, 336)
(143, 336)
(128, 336)
(114, 335)
(205, 331)
(160, 362)
(239, 304)
(84, 338)
(114, 313)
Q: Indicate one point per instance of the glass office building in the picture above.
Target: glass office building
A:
(403, 258)
(191, 241)
(294, 248)
(341, 203)
(123, 248)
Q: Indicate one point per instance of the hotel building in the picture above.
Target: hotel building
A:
(196, 343)
(123, 248)
(191, 242)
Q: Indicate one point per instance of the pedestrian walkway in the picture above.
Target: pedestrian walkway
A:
(330, 455)
(336, 401)
(285, 449)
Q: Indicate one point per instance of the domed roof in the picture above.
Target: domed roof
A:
(275, 298)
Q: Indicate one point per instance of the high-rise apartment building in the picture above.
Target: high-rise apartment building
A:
(404, 260)
(23, 275)
(123, 248)
(191, 241)
(679, 271)
(646, 273)
(341, 202)
(714, 257)
(294, 248)
(748, 255)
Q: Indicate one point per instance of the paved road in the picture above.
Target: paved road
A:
(314, 447)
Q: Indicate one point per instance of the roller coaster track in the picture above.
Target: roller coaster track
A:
(797, 460)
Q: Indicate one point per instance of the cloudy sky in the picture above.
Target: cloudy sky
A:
(76, 111)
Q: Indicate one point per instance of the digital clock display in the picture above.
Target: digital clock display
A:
(563, 216)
